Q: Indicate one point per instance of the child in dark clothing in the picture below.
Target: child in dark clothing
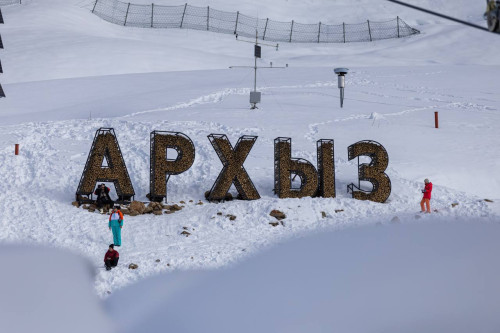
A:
(111, 258)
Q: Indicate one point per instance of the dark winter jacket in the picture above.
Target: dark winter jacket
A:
(99, 190)
(427, 191)
(111, 255)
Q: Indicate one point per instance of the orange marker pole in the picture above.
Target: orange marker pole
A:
(436, 120)
(17, 149)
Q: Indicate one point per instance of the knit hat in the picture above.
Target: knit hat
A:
(426, 180)
(112, 246)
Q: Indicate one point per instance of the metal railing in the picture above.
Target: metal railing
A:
(10, 2)
(209, 19)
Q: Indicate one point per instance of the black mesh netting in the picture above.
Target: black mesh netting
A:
(209, 19)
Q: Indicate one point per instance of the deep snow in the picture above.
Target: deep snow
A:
(67, 73)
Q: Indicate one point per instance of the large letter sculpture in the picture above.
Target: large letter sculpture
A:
(233, 171)
(105, 147)
(326, 168)
(372, 172)
(161, 166)
(285, 167)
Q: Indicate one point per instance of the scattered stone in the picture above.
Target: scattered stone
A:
(168, 265)
(169, 212)
(278, 214)
(182, 202)
(158, 260)
(231, 217)
(125, 211)
(192, 258)
(108, 292)
(228, 197)
(274, 224)
(488, 200)
(85, 206)
(155, 205)
(132, 212)
(200, 203)
(454, 204)
(157, 212)
(91, 209)
(173, 208)
(92, 206)
(185, 228)
(185, 233)
(133, 266)
(219, 213)
(138, 206)
(148, 210)
(76, 204)
(323, 214)
(395, 219)
(190, 200)
(338, 210)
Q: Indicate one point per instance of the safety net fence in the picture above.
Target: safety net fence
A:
(209, 19)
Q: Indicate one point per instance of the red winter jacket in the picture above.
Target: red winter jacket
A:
(111, 255)
(428, 190)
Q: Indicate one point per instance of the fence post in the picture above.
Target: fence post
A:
(397, 19)
(184, 13)
(291, 30)
(236, 26)
(16, 149)
(436, 120)
(369, 30)
(126, 15)
(95, 4)
(343, 26)
(208, 17)
(152, 13)
(265, 29)
(319, 31)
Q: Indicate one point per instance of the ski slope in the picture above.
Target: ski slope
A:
(68, 73)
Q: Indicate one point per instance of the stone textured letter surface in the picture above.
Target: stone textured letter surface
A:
(285, 167)
(105, 147)
(373, 172)
(233, 171)
(162, 167)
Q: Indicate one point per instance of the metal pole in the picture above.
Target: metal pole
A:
(291, 30)
(16, 149)
(236, 25)
(369, 30)
(126, 15)
(436, 120)
(343, 25)
(319, 31)
(208, 17)
(255, 66)
(184, 13)
(265, 28)
(92, 8)
(398, 24)
(152, 13)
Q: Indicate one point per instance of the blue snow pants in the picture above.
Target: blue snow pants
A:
(117, 235)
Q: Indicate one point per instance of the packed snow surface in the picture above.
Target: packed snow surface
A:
(67, 73)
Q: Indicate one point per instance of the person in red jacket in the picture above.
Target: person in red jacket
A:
(427, 197)
(111, 258)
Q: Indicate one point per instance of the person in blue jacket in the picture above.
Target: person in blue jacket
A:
(115, 225)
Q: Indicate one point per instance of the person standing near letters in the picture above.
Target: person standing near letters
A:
(115, 225)
(427, 197)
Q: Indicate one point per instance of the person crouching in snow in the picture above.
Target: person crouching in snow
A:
(115, 225)
(111, 258)
(427, 197)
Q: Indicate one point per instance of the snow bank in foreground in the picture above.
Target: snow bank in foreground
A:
(48, 290)
(440, 277)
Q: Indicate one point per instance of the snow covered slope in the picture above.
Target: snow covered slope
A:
(67, 73)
